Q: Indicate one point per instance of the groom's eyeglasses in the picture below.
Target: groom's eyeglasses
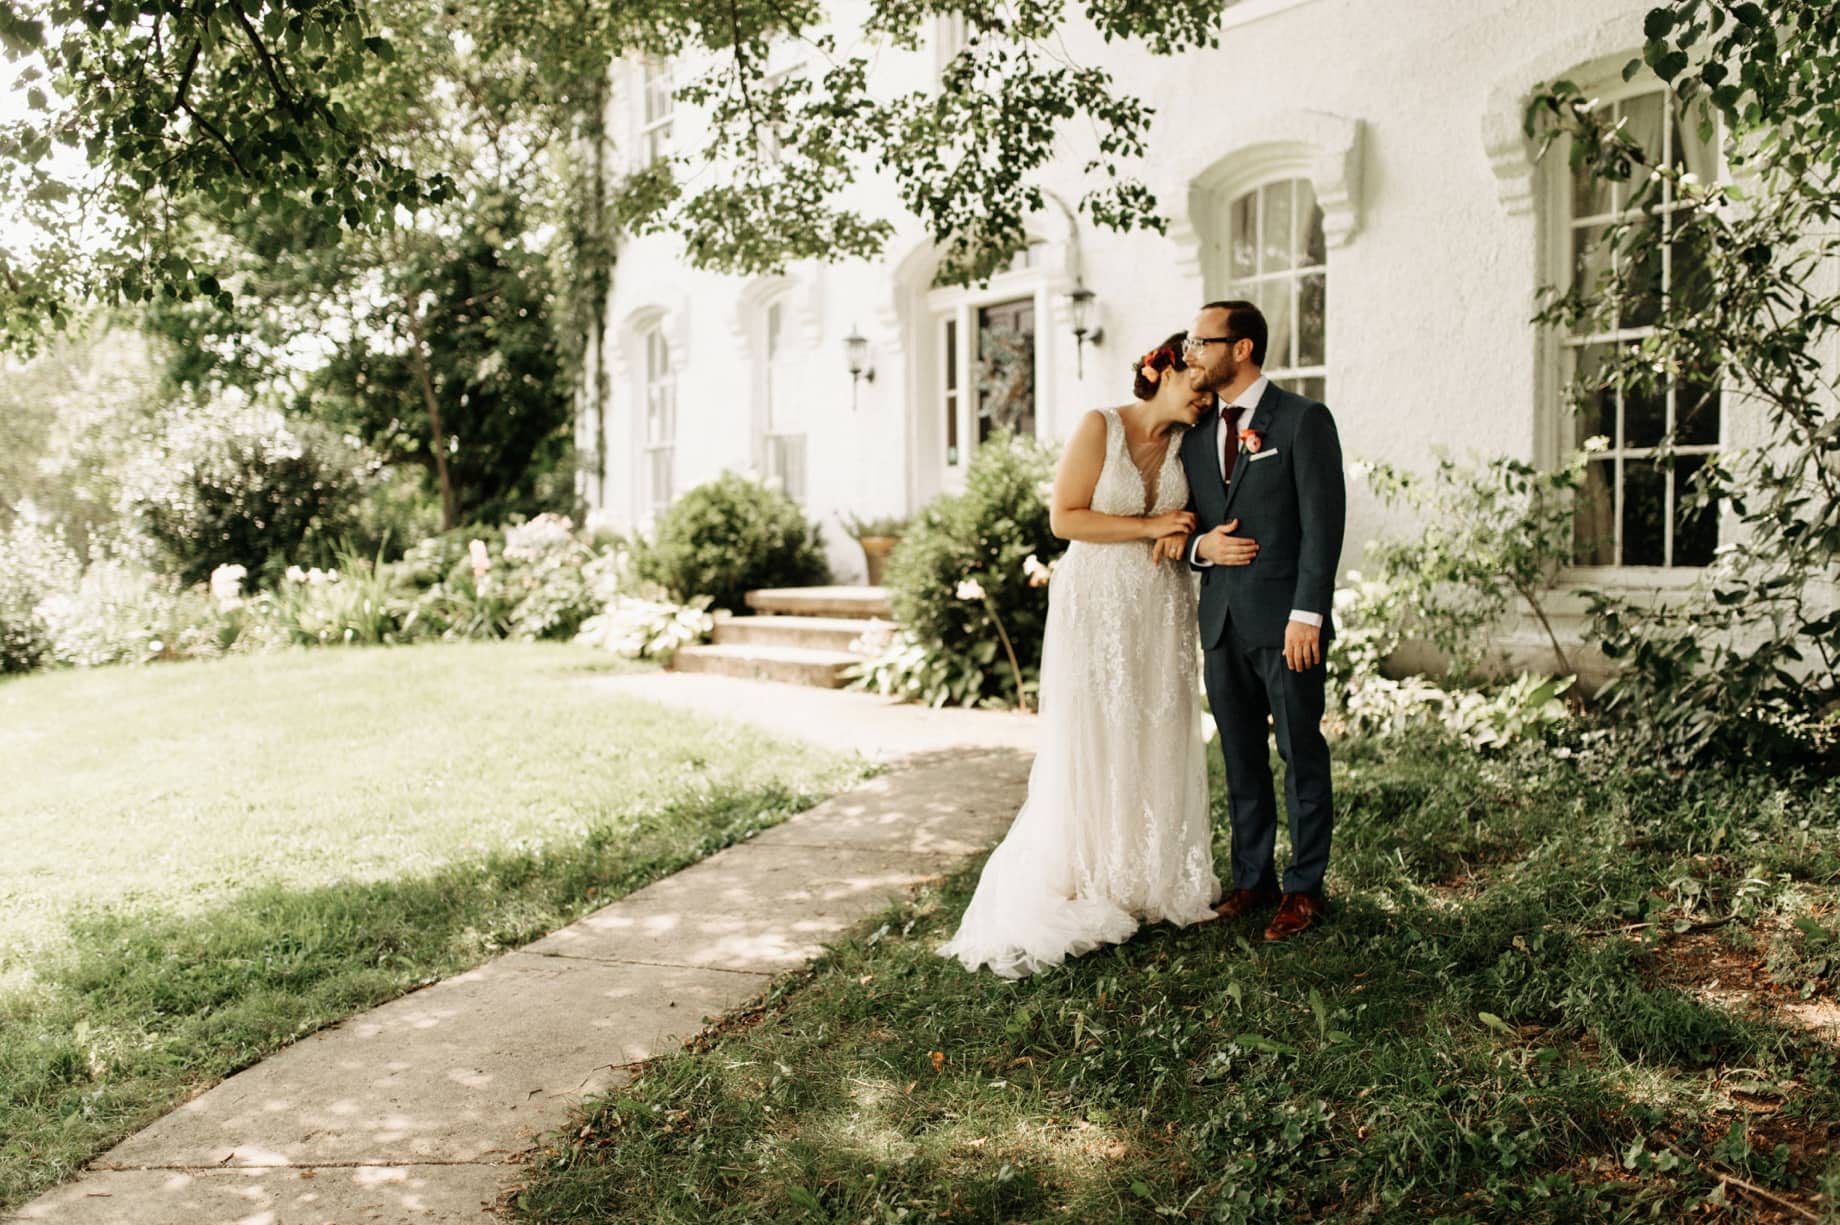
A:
(1195, 344)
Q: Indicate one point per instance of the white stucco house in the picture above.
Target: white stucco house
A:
(1358, 168)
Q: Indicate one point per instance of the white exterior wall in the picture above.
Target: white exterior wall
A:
(1405, 116)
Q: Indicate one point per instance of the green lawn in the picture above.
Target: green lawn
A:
(1552, 991)
(206, 860)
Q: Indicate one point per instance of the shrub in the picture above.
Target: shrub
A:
(35, 567)
(985, 535)
(730, 536)
(242, 486)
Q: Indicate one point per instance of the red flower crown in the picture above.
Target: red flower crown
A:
(1157, 360)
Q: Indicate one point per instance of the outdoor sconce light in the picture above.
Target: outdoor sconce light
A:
(856, 350)
(1086, 330)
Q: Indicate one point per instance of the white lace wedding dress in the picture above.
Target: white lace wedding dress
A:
(1115, 827)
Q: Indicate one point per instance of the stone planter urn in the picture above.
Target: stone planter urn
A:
(877, 538)
(875, 555)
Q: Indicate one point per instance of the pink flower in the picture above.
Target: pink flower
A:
(1252, 440)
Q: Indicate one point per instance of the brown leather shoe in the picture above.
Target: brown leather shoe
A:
(1243, 902)
(1297, 913)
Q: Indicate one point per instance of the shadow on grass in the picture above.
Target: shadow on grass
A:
(1432, 1053)
(138, 1010)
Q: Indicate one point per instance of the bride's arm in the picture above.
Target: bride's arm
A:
(1070, 513)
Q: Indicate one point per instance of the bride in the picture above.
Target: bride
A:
(1115, 827)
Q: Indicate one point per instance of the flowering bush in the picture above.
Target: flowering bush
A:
(987, 536)
(648, 626)
(36, 566)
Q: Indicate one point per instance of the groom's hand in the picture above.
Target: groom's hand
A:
(1302, 645)
(1223, 548)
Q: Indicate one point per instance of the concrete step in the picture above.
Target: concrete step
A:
(823, 601)
(764, 662)
(821, 633)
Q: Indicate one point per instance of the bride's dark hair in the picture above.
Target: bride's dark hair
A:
(1165, 359)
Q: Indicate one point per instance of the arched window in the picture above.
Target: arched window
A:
(1277, 258)
(1631, 511)
(660, 421)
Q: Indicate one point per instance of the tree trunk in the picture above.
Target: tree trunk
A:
(437, 435)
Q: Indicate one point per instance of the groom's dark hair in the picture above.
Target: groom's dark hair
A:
(1245, 322)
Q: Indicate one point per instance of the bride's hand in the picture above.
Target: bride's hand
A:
(1169, 548)
(1176, 521)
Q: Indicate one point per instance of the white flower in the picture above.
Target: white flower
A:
(296, 575)
(1359, 468)
(970, 589)
(1689, 179)
(1038, 574)
(482, 561)
(227, 585)
(1596, 443)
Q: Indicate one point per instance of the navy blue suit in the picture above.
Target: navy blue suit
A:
(1289, 496)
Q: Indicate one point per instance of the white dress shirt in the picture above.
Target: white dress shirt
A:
(1246, 401)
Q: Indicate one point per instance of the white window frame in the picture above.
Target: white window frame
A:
(657, 421)
(1559, 222)
(783, 451)
(959, 306)
(656, 109)
(1280, 368)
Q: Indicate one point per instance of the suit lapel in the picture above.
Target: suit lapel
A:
(1261, 425)
(1203, 458)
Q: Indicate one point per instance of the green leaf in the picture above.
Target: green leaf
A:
(1496, 1023)
(1657, 23)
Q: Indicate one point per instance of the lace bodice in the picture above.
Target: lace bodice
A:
(1122, 489)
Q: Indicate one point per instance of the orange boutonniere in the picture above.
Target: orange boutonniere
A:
(1251, 440)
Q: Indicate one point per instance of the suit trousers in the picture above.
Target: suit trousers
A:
(1245, 686)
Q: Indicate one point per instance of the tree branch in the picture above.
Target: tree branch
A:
(268, 63)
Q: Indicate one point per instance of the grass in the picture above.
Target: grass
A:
(206, 861)
(1520, 1010)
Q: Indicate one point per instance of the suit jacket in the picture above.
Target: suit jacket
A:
(1290, 497)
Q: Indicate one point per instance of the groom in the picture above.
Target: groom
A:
(1264, 465)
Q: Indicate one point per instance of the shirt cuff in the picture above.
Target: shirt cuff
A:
(1308, 618)
(1194, 554)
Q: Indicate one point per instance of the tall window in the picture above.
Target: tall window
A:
(1632, 510)
(784, 435)
(655, 117)
(1278, 259)
(660, 421)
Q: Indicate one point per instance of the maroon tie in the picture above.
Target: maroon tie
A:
(1229, 421)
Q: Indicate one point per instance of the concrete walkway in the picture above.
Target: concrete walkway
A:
(419, 1110)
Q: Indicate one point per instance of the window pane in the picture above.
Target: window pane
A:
(1593, 523)
(1311, 293)
(1644, 514)
(1315, 247)
(1245, 237)
(1595, 405)
(1696, 528)
(1643, 118)
(1313, 389)
(1696, 413)
(951, 405)
(1642, 248)
(1590, 256)
(1644, 414)
(1590, 195)
(1278, 250)
(1689, 286)
(1274, 299)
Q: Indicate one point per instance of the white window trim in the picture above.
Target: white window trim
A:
(650, 504)
(962, 304)
(650, 128)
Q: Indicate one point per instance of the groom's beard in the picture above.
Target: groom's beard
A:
(1222, 376)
